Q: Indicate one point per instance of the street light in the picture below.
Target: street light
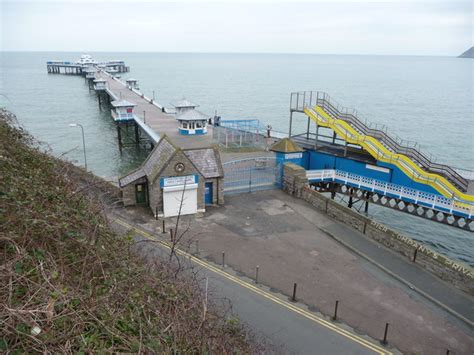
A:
(83, 141)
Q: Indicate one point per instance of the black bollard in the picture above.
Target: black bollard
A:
(223, 259)
(164, 230)
(335, 311)
(384, 341)
(293, 298)
(414, 255)
(256, 274)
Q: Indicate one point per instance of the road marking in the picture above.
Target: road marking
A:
(321, 321)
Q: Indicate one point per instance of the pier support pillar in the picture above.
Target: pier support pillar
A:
(366, 208)
(345, 148)
(307, 128)
(316, 138)
(334, 138)
(119, 136)
(137, 135)
(291, 124)
(351, 201)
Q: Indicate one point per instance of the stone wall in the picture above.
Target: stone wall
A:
(128, 193)
(456, 273)
(217, 191)
(294, 178)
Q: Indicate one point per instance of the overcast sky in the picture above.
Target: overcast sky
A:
(426, 27)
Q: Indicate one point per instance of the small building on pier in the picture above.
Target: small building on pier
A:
(132, 84)
(100, 84)
(175, 181)
(190, 120)
(122, 110)
(90, 72)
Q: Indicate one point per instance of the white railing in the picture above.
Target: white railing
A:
(427, 199)
(122, 116)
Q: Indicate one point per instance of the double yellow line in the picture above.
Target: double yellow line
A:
(321, 321)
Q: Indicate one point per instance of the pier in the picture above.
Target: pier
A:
(152, 118)
(83, 65)
(340, 153)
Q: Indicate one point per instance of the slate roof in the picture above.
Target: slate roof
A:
(192, 115)
(160, 155)
(184, 103)
(286, 145)
(207, 161)
(122, 103)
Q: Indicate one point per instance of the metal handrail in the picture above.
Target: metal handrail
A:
(394, 144)
(436, 202)
(379, 152)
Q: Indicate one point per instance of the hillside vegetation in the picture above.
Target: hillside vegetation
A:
(70, 284)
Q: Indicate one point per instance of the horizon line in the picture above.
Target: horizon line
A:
(212, 52)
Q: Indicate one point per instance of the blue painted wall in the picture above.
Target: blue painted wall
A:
(400, 178)
(318, 160)
(300, 158)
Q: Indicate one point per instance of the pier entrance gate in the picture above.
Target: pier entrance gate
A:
(252, 174)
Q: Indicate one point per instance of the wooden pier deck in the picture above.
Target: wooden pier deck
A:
(152, 116)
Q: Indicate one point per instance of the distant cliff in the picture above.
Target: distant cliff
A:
(468, 54)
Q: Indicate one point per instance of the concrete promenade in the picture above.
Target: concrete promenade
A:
(288, 240)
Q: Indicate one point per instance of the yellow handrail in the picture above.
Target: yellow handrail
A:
(379, 152)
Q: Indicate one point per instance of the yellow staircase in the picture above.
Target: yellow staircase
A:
(379, 152)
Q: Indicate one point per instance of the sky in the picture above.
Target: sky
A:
(401, 27)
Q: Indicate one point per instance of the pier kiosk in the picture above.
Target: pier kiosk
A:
(132, 84)
(190, 120)
(123, 115)
(100, 84)
(122, 110)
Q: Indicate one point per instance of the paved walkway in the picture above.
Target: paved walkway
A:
(286, 238)
(436, 289)
(287, 326)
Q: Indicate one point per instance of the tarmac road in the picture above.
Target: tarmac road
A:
(288, 326)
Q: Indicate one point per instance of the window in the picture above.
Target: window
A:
(198, 124)
(185, 124)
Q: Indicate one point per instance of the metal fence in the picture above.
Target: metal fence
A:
(252, 174)
(240, 133)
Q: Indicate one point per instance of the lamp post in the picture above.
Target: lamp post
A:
(83, 141)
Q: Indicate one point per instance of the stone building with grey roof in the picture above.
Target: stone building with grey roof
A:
(174, 181)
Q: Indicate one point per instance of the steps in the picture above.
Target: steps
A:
(392, 144)
(382, 153)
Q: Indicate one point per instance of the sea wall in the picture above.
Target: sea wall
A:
(458, 274)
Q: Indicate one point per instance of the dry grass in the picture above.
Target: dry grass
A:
(69, 284)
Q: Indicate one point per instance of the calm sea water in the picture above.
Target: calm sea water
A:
(426, 99)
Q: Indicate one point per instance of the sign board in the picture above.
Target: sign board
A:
(293, 156)
(178, 180)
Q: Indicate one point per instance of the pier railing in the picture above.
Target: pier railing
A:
(435, 202)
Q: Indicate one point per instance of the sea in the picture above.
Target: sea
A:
(425, 99)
